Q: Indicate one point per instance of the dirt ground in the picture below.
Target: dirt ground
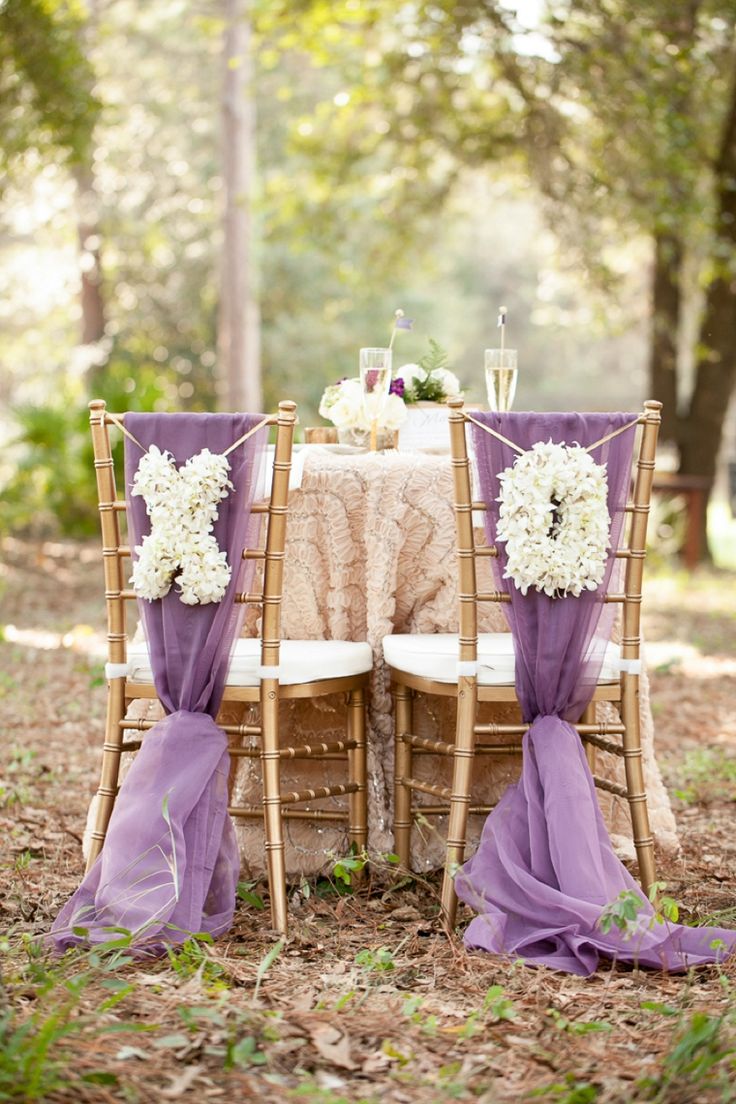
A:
(368, 1001)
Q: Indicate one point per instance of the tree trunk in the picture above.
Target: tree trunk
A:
(239, 323)
(88, 233)
(666, 311)
(699, 435)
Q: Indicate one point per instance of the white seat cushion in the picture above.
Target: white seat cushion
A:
(301, 661)
(435, 656)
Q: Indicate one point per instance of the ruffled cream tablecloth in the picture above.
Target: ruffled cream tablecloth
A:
(371, 551)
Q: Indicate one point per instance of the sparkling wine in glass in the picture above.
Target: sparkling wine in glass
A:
(501, 373)
(375, 379)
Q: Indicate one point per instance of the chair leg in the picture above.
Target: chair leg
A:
(108, 787)
(404, 715)
(357, 772)
(589, 717)
(643, 840)
(462, 771)
(271, 768)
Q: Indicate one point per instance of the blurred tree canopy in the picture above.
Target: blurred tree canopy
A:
(624, 114)
(574, 159)
(46, 81)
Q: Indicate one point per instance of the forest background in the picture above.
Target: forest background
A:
(217, 202)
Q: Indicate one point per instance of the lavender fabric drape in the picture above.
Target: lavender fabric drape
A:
(545, 868)
(170, 862)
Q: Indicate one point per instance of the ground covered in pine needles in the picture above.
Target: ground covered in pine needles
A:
(368, 1001)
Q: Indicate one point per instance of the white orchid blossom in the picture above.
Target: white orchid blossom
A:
(181, 547)
(554, 520)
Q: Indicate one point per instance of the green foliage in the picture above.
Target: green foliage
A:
(700, 1057)
(51, 485)
(191, 959)
(666, 908)
(629, 913)
(412, 1009)
(45, 79)
(347, 868)
(244, 1053)
(379, 960)
(431, 388)
(310, 1092)
(569, 1091)
(238, 1033)
(623, 913)
(48, 471)
(497, 1005)
(577, 1027)
(265, 965)
(245, 893)
(37, 1052)
(706, 773)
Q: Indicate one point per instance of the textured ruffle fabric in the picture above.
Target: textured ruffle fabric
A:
(545, 868)
(170, 863)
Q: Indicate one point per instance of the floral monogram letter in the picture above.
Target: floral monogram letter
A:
(183, 507)
(554, 520)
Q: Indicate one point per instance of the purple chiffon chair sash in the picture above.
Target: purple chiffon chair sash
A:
(545, 868)
(170, 863)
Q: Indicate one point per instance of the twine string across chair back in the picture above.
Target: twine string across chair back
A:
(170, 863)
(545, 867)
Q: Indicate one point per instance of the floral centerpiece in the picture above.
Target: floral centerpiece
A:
(428, 381)
(342, 404)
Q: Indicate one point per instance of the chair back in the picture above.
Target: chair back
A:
(116, 551)
(633, 543)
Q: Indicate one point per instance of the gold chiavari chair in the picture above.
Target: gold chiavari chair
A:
(420, 664)
(263, 672)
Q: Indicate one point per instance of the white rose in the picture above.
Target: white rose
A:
(394, 413)
(329, 398)
(345, 414)
(450, 382)
(410, 372)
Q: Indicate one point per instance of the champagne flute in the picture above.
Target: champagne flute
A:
(501, 373)
(375, 379)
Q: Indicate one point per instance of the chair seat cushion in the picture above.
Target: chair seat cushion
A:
(301, 661)
(435, 656)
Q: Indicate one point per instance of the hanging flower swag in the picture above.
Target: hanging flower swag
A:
(182, 504)
(554, 520)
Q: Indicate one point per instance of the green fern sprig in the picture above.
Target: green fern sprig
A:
(430, 389)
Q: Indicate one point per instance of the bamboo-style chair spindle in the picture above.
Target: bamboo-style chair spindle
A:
(470, 738)
(268, 676)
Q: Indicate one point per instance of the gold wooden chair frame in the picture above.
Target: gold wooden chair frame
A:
(469, 737)
(263, 738)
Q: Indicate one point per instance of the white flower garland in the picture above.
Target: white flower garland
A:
(554, 520)
(182, 504)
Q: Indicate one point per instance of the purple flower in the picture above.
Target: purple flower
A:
(397, 388)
